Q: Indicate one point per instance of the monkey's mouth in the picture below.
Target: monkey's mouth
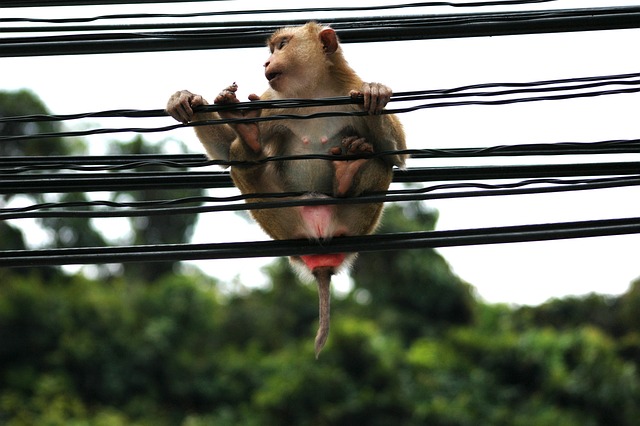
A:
(272, 76)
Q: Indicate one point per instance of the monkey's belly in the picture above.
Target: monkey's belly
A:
(310, 176)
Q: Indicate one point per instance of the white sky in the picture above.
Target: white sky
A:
(527, 273)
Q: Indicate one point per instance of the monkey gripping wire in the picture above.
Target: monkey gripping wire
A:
(572, 88)
(79, 182)
(609, 18)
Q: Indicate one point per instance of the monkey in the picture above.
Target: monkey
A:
(307, 62)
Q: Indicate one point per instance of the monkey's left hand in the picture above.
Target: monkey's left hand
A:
(248, 132)
(376, 96)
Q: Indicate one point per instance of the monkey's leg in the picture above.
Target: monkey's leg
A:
(347, 170)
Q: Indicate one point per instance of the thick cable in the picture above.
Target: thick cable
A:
(381, 242)
(351, 30)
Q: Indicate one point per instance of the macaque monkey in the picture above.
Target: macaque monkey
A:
(307, 62)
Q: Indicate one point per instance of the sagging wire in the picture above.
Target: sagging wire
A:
(380, 242)
(236, 34)
(129, 181)
(25, 164)
(461, 92)
(87, 209)
(272, 11)
(524, 87)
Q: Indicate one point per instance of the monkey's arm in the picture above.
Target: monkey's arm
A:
(384, 132)
(390, 137)
(216, 139)
(247, 145)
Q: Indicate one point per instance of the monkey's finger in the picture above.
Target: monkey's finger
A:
(182, 110)
(384, 96)
(185, 113)
(254, 97)
(366, 93)
(226, 97)
(374, 106)
(348, 140)
(233, 87)
(196, 101)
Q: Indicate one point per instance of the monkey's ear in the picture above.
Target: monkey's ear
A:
(329, 40)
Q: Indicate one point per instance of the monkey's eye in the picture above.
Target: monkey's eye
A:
(283, 43)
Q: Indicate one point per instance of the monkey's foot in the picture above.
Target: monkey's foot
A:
(346, 170)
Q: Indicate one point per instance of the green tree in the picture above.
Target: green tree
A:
(63, 232)
(21, 103)
(412, 291)
(155, 229)
(82, 232)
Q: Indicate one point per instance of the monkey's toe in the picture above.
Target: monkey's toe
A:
(356, 145)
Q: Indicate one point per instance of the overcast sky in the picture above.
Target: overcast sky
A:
(527, 273)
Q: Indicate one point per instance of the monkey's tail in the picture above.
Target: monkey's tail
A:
(323, 277)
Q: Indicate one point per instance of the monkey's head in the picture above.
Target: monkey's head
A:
(302, 59)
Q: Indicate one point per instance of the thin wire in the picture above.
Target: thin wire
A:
(17, 165)
(129, 181)
(525, 87)
(301, 103)
(168, 207)
(272, 11)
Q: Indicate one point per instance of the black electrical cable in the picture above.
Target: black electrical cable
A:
(49, 3)
(87, 209)
(351, 30)
(129, 181)
(575, 83)
(382, 242)
(26, 164)
(271, 11)
(298, 103)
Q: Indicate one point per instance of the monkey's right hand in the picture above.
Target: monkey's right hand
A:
(376, 96)
(181, 104)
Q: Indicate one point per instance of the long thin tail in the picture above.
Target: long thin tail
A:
(323, 277)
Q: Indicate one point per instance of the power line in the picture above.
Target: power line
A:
(380, 242)
(351, 30)
(514, 88)
(95, 209)
(23, 164)
(566, 88)
(48, 3)
(237, 12)
(129, 181)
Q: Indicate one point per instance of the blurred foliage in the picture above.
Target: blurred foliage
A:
(410, 344)
(176, 352)
(414, 289)
(85, 232)
(155, 229)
